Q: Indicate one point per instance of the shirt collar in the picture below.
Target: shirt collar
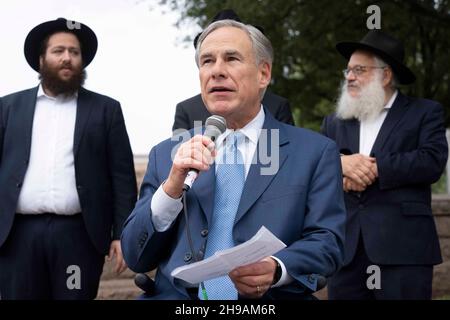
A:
(250, 131)
(391, 100)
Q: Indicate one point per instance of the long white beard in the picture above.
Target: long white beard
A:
(366, 106)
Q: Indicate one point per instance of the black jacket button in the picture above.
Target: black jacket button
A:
(204, 232)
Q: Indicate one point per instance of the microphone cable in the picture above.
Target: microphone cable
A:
(191, 244)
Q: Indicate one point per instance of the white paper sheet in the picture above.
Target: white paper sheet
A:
(261, 245)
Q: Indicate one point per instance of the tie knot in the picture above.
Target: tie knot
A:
(231, 153)
(234, 138)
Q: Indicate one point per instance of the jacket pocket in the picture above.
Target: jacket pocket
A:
(282, 192)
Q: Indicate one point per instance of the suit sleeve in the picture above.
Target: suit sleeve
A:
(143, 247)
(2, 130)
(320, 249)
(181, 118)
(121, 167)
(423, 165)
(284, 113)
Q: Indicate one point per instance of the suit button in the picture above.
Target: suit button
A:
(79, 187)
(204, 232)
(187, 257)
(19, 184)
(200, 255)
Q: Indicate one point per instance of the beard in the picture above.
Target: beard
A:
(51, 80)
(366, 106)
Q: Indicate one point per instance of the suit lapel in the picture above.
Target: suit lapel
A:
(394, 115)
(205, 188)
(256, 183)
(352, 132)
(28, 117)
(84, 106)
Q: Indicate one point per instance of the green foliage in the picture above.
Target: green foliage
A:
(440, 187)
(307, 68)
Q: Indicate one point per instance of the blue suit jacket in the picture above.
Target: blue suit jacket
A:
(302, 204)
(104, 169)
(394, 214)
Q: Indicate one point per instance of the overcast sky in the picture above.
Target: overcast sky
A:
(140, 61)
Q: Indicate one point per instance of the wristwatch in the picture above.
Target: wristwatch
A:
(278, 273)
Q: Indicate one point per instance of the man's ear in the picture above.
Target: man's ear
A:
(265, 72)
(41, 61)
(388, 76)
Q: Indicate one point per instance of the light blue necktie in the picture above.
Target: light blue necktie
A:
(230, 178)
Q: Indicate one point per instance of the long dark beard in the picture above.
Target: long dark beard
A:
(51, 80)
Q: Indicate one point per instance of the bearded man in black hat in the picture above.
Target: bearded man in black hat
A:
(67, 180)
(393, 147)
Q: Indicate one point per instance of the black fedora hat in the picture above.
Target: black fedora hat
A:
(85, 35)
(226, 14)
(386, 47)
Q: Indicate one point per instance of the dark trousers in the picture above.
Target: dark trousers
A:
(46, 256)
(403, 282)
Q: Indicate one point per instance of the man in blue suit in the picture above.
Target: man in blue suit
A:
(67, 180)
(393, 148)
(297, 195)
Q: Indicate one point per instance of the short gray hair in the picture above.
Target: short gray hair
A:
(262, 47)
(382, 64)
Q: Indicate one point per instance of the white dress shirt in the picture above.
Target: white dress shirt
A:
(49, 184)
(369, 129)
(165, 209)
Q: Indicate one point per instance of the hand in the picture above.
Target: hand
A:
(350, 185)
(197, 153)
(253, 280)
(116, 250)
(359, 168)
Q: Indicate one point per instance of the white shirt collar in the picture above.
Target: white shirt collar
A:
(391, 100)
(251, 130)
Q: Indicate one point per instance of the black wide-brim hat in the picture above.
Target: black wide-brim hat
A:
(87, 38)
(389, 49)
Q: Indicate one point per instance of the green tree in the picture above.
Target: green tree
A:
(307, 68)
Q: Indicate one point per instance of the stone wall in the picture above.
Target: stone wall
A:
(441, 211)
(122, 287)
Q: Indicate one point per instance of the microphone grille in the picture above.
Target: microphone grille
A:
(218, 122)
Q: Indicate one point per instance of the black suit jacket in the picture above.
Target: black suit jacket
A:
(193, 109)
(394, 213)
(104, 169)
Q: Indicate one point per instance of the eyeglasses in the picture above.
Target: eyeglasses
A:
(359, 70)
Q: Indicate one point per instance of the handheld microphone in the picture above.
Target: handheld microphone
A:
(215, 125)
